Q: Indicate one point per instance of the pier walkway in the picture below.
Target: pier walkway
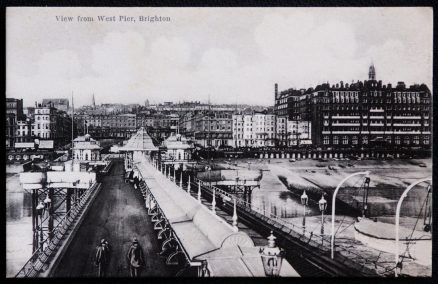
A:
(117, 215)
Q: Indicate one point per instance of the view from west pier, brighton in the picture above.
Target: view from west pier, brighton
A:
(212, 142)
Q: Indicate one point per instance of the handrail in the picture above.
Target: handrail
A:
(324, 241)
(52, 245)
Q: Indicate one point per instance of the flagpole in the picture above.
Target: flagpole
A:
(72, 127)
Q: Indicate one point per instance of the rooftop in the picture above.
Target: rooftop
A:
(140, 141)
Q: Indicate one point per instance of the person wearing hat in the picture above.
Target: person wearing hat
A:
(102, 257)
(135, 258)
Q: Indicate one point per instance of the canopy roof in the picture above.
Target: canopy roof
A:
(202, 234)
(140, 141)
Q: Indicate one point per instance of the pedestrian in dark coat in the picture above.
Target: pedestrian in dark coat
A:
(135, 257)
(102, 257)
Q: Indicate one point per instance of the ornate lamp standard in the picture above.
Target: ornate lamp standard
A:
(47, 202)
(322, 207)
(188, 185)
(40, 210)
(272, 257)
(48, 207)
(304, 201)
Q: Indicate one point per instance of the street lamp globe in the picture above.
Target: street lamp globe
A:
(304, 198)
(322, 204)
(47, 201)
(272, 257)
(40, 208)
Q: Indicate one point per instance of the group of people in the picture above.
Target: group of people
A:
(134, 257)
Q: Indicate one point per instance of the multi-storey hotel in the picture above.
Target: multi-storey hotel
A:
(363, 114)
(257, 129)
(208, 128)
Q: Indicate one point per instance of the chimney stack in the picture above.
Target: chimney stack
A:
(276, 90)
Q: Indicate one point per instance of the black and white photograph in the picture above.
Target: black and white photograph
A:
(219, 142)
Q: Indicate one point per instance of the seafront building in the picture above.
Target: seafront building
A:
(361, 114)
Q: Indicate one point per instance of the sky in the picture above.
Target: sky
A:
(230, 55)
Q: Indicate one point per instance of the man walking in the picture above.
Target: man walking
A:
(102, 257)
(135, 258)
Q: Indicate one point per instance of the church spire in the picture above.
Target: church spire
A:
(94, 102)
(372, 72)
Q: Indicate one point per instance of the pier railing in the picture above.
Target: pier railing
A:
(320, 242)
(40, 259)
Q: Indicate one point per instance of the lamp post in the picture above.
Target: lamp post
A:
(213, 202)
(237, 183)
(304, 201)
(366, 173)
(188, 185)
(235, 216)
(397, 220)
(322, 207)
(199, 191)
(48, 207)
(47, 202)
(272, 257)
(40, 209)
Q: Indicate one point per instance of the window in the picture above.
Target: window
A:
(416, 140)
(406, 140)
(426, 140)
(344, 140)
(354, 140)
(326, 140)
(335, 140)
(365, 140)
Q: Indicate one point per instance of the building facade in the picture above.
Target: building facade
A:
(86, 148)
(365, 114)
(208, 128)
(10, 130)
(257, 129)
(15, 106)
(107, 125)
(51, 124)
(61, 104)
(24, 131)
(14, 113)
